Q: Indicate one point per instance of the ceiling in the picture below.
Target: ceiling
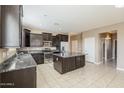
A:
(70, 18)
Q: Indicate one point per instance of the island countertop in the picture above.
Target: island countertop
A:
(25, 61)
(68, 54)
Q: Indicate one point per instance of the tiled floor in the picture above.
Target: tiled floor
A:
(90, 76)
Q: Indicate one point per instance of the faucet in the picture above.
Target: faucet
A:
(17, 55)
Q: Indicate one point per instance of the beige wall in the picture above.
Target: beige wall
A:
(6, 53)
(77, 37)
(120, 41)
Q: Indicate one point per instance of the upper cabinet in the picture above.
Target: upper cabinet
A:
(62, 37)
(26, 37)
(10, 26)
(47, 36)
(54, 41)
(36, 40)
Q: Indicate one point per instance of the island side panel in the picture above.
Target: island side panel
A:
(58, 63)
(82, 60)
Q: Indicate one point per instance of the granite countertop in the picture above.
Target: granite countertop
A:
(35, 51)
(24, 61)
(38, 51)
(68, 54)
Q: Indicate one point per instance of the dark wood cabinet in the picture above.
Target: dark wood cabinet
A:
(58, 64)
(0, 81)
(47, 36)
(36, 40)
(65, 38)
(66, 64)
(24, 78)
(38, 57)
(10, 25)
(54, 41)
(80, 61)
(70, 64)
(62, 37)
(27, 37)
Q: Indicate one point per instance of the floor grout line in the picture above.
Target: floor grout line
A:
(53, 79)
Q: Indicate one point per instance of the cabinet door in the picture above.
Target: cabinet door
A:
(66, 38)
(68, 64)
(78, 61)
(82, 60)
(58, 63)
(47, 36)
(27, 37)
(10, 25)
(24, 78)
(36, 40)
(54, 41)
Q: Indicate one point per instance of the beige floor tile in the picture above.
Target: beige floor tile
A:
(90, 76)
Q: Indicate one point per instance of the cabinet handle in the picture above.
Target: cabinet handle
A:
(57, 59)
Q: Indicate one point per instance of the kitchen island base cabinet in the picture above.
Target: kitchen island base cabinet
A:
(24, 78)
(79, 61)
(66, 64)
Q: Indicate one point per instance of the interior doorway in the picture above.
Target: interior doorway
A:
(75, 46)
(89, 47)
(108, 47)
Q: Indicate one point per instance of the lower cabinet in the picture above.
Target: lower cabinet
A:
(24, 78)
(80, 61)
(58, 64)
(66, 64)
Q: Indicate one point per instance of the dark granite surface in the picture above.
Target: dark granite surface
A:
(24, 61)
(39, 51)
(68, 54)
(35, 51)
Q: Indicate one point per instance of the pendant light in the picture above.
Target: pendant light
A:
(107, 37)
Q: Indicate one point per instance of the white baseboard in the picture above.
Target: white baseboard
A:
(121, 69)
(97, 63)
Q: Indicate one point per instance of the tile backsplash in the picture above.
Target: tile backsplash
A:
(6, 53)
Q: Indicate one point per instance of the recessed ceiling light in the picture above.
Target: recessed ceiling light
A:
(44, 15)
(119, 6)
(56, 24)
(60, 29)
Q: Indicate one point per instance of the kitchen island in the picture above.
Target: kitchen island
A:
(65, 62)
